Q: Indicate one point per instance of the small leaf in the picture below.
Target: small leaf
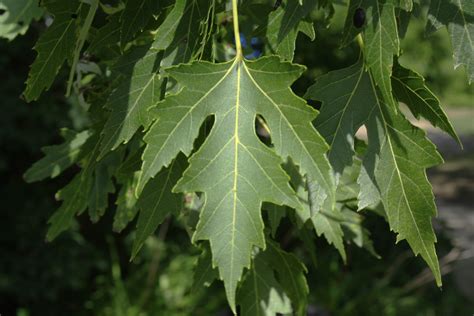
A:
(204, 273)
(127, 207)
(409, 88)
(156, 202)
(356, 232)
(260, 293)
(75, 198)
(166, 33)
(57, 158)
(285, 23)
(458, 17)
(291, 275)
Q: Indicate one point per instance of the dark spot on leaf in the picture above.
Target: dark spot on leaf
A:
(359, 17)
(2, 11)
(21, 23)
(74, 15)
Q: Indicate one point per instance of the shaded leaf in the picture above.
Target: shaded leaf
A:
(130, 101)
(55, 46)
(58, 157)
(458, 17)
(409, 87)
(156, 202)
(260, 293)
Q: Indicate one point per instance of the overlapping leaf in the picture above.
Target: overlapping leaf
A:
(58, 157)
(158, 201)
(395, 162)
(134, 18)
(458, 17)
(233, 168)
(130, 101)
(409, 88)
(285, 23)
(343, 113)
(380, 40)
(260, 293)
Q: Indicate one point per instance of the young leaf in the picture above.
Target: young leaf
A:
(275, 214)
(181, 34)
(54, 47)
(458, 17)
(356, 232)
(409, 87)
(233, 168)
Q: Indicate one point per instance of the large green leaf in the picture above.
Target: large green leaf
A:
(233, 168)
(458, 17)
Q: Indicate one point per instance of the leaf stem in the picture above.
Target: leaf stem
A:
(238, 45)
(80, 42)
(360, 41)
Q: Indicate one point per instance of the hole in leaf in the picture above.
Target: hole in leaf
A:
(21, 23)
(263, 132)
(74, 15)
(2, 11)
